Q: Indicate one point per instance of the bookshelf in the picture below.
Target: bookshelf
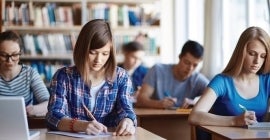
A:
(49, 28)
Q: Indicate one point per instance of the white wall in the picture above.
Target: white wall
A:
(167, 27)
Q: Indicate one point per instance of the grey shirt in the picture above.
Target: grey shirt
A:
(28, 84)
(161, 78)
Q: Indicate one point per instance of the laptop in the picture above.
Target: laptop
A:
(13, 119)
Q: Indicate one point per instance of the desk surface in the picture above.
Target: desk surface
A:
(236, 133)
(174, 122)
(141, 134)
(159, 112)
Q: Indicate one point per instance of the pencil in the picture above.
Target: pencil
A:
(88, 112)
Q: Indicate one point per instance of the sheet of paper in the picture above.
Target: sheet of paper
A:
(80, 135)
(260, 125)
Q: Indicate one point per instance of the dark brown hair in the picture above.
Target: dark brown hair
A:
(10, 36)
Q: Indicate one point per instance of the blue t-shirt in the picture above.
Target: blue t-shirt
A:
(138, 75)
(228, 99)
(161, 78)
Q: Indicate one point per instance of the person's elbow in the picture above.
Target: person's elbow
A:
(193, 118)
(140, 101)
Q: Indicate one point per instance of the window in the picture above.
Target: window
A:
(237, 16)
(225, 28)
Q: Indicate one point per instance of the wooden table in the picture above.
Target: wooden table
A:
(169, 124)
(235, 133)
(36, 122)
(141, 134)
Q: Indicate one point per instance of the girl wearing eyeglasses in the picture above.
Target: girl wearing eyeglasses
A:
(18, 79)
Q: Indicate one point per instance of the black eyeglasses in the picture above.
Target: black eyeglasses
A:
(5, 57)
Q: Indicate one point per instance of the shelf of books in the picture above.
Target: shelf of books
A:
(50, 27)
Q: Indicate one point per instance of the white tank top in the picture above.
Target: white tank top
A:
(94, 91)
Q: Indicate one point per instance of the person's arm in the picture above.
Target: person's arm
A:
(125, 127)
(41, 94)
(190, 102)
(144, 99)
(74, 125)
(126, 117)
(37, 110)
(200, 84)
(200, 113)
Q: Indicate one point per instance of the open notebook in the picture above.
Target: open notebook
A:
(13, 120)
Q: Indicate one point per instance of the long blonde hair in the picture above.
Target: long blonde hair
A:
(235, 64)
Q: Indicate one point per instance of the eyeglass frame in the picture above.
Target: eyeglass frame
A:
(8, 56)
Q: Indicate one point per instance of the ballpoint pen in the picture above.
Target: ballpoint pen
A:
(166, 93)
(243, 107)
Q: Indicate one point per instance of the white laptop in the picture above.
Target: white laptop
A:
(13, 120)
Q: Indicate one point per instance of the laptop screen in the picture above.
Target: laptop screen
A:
(13, 119)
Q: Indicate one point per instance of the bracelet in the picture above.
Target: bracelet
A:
(71, 126)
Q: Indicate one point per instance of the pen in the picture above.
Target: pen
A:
(166, 93)
(88, 112)
(243, 107)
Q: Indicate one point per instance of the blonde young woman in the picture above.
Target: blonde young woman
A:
(239, 95)
(93, 94)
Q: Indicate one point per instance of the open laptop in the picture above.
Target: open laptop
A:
(13, 119)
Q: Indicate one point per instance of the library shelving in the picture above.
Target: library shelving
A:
(49, 28)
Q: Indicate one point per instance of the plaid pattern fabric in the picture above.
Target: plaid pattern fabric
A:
(69, 93)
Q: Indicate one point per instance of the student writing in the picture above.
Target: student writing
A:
(245, 81)
(174, 85)
(94, 85)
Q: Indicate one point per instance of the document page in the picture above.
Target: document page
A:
(81, 134)
(260, 125)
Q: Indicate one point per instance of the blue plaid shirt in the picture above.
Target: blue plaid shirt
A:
(68, 93)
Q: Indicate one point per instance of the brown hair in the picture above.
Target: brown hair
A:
(235, 64)
(94, 35)
(10, 36)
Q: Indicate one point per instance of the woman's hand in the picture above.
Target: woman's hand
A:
(95, 128)
(125, 127)
(247, 118)
(37, 110)
(30, 110)
(33, 110)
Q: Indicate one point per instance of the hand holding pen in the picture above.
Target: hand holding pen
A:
(168, 101)
(93, 127)
(247, 118)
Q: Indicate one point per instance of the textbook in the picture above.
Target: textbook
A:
(260, 126)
